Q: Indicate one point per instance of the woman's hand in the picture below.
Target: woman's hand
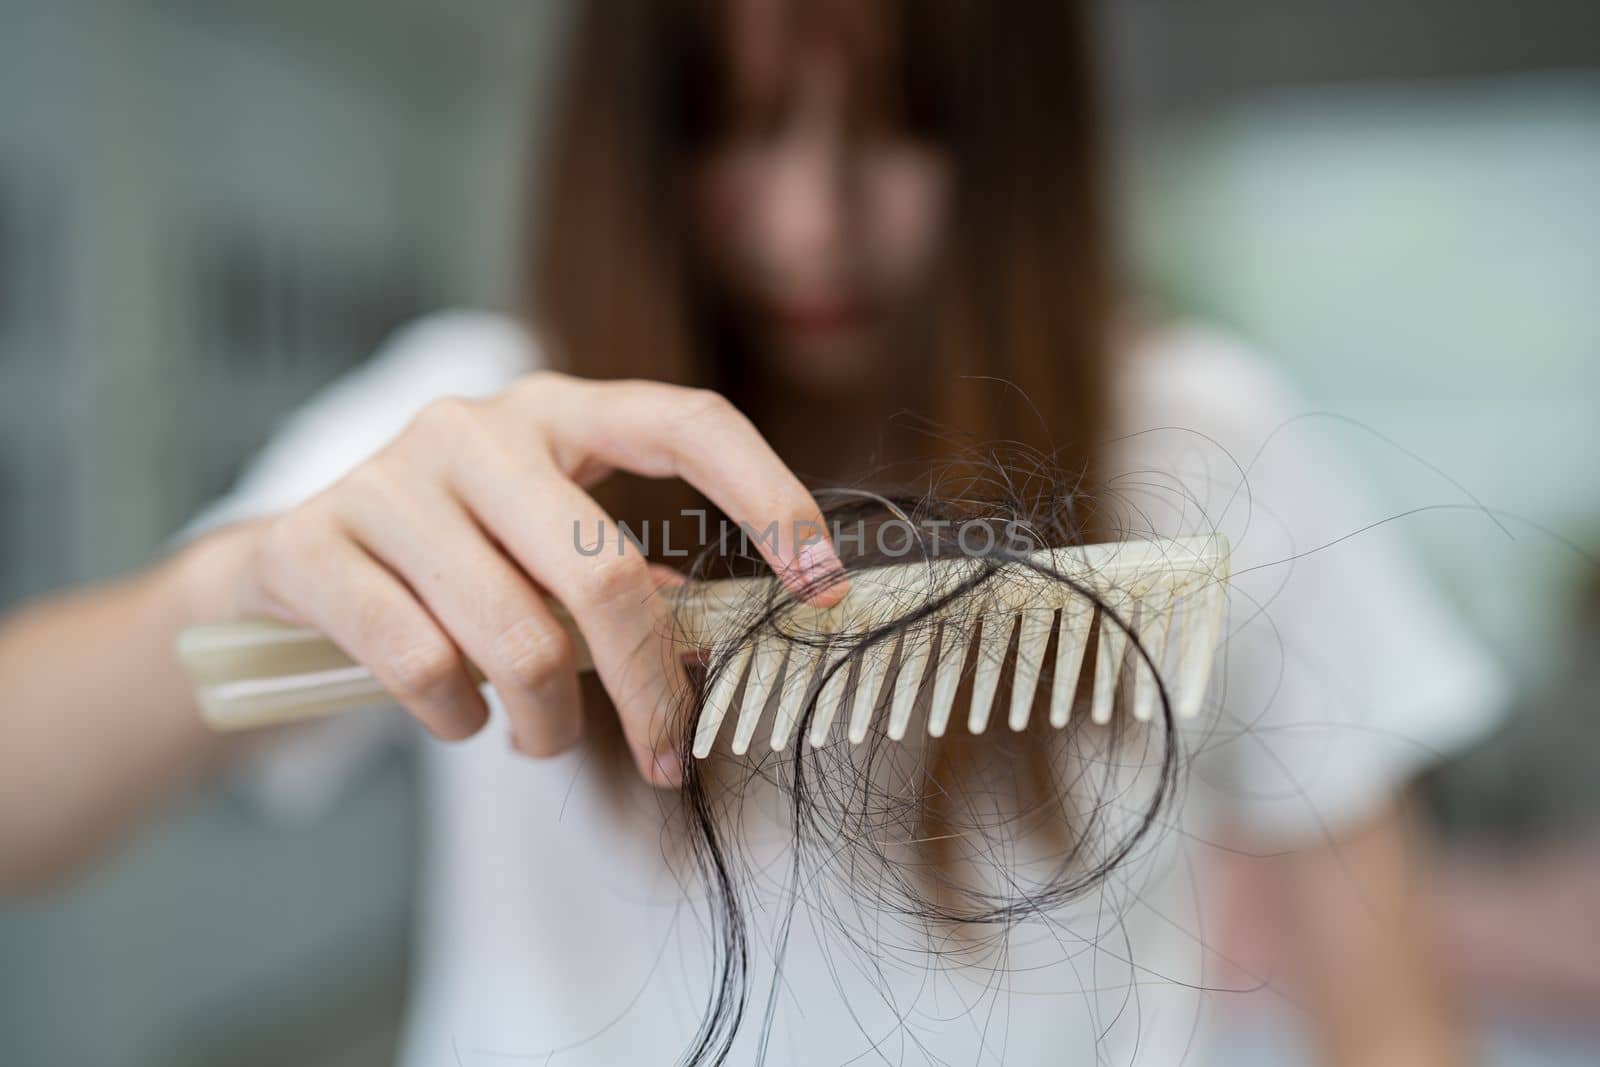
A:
(445, 546)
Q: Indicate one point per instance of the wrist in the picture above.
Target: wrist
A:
(213, 575)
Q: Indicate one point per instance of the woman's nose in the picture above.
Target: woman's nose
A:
(809, 210)
(808, 216)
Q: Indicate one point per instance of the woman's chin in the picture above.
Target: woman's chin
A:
(826, 362)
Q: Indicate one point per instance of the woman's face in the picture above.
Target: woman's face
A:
(819, 227)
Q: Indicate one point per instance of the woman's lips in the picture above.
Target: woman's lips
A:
(818, 318)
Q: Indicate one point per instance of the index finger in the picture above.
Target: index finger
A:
(665, 431)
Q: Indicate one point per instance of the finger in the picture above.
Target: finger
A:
(487, 605)
(663, 431)
(536, 513)
(368, 612)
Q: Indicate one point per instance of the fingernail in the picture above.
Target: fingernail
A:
(821, 573)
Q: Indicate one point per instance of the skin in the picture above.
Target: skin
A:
(1348, 932)
(820, 224)
(440, 549)
(447, 545)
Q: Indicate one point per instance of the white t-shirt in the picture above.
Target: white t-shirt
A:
(554, 930)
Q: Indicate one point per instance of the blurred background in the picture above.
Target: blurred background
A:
(210, 208)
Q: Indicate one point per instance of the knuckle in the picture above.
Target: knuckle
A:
(284, 548)
(275, 549)
(535, 386)
(708, 404)
(445, 416)
(420, 668)
(542, 379)
(531, 652)
(370, 483)
(610, 577)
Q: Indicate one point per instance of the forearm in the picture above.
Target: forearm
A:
(96, 722)
(1366, 952)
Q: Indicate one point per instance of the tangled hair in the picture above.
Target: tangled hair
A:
(942, 844)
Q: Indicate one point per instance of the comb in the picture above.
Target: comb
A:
(1171, 594)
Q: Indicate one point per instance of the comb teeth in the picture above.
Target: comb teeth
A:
(723, 688)
(1113, 646)
(915, 657)
(800, 678)
(760, 685)
(1072, 641)
(953, 641)
(1145, 589)
(1154, 626)
(993, 641)
(1033, 638)
(257, 673)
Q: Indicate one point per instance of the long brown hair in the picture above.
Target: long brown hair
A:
(1017, 320)
(1016, 343)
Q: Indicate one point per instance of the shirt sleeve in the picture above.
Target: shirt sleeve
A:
(299, 774)
(1343, 672)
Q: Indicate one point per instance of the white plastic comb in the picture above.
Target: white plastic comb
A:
(1169, 591)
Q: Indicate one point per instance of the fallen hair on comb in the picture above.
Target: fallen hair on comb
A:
(902, 834)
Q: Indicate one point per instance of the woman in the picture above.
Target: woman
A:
(768, 228)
